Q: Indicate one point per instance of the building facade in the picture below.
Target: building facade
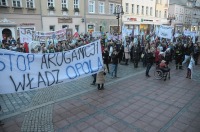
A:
(186, 14)
(145, 14)
(100, 17)
(58, 14)
(15, 14)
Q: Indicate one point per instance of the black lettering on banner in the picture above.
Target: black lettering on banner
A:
(91, 52)
(65, 58)
(3, 64)
(44, 61)
(97, 47)
(92, 70)
(78, 66)
(10, 59)
(30, 82)
(67, 72)
(81, 52)
(18, 62)
(58, 58)
(74, 55)
(88, 67)
(21, 84)
(50, 60)
(47, 73)
(57, 75)
(30, 61)
(40, 81)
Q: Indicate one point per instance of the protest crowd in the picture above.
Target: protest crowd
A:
(147, 49)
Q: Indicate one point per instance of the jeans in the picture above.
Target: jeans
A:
(148, 68)
(95, 77)
(114, 69)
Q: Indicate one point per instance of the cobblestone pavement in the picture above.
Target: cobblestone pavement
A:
(129, 103)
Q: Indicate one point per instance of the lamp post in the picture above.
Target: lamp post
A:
(118, 11)
(170, 18)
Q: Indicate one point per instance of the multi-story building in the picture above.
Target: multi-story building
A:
(183, 12)
(58, 14)
(15, 14)
(99, 15)
(144, 14)
(196, 17)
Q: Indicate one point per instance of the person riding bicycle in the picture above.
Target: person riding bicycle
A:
(165, 69)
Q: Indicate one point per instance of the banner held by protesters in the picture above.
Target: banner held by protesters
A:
(28, 71)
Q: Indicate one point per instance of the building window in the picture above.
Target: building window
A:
(101, 7)
(3, 3)
(91, 5)
(77, 28)
(147, 10)
(132, 8)
(127, 9)
(111, 8)
(165, 15)
(138, 9)
(65, 26)
(64, 4)
(76, 3)
(52, 27)
(16, 3)
(151, 10)
(142, 10)
(50, 3)
(156, 13)
(30, 3)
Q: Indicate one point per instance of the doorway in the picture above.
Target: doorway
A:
(6, 33)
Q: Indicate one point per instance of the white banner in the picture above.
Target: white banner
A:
(27, 35)
(165, 32)
(24, 71)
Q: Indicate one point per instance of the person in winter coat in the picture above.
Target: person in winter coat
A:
(136, 55)
(114, 61)
(127, 53)
(105, 55)
(100, 79)
(149, 60)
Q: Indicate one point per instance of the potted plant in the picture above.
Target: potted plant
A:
(65, 9)
(51, 8)
(76, 9)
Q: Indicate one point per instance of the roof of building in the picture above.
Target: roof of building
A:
(178, 2)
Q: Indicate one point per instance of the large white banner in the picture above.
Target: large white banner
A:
(24, 71)
(27, 35)
(165, 32)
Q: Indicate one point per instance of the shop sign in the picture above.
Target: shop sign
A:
(64, 20)
(27, 24)
(142, 20)
(132, 19)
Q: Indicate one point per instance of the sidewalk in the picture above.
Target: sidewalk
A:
(129, 103)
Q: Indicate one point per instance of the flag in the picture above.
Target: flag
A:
(76, 35)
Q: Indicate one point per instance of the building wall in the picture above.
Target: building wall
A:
(105, 22)
(19, 17)
(50, 18)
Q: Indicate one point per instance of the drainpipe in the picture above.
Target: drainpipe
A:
(85, 15)
(41, 15)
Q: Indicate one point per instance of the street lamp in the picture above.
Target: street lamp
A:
(170, 18)
(118, 11)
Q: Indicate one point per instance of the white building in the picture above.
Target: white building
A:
(187, 16)
(144, 13)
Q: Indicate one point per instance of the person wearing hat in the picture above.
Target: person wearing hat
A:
(164, 67)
